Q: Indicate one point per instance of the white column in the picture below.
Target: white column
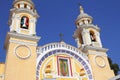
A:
(32, 26)
(86, 37)
(12, 22)
(18, 19)
(78, 43)
(98, 38)
(11, 26)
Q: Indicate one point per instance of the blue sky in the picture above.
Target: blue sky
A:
(58, 16)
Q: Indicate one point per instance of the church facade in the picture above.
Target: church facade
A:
(25, 60)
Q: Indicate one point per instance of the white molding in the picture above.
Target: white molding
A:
(102, 54)
(22, 43)
(91, 26)
(99, 49)
(25, 37)
(115, 78)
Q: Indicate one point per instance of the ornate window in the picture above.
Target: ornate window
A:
(24, 22)
(92, 36)
(64, 66)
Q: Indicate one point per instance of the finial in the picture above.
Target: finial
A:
(61, 37)
(81, 9)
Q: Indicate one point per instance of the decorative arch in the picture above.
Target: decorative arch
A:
(24, 22)
(76, 56)
(92, 36)
(81, 38)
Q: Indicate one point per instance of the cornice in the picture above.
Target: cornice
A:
(115, 78)
(22, 36)
(23, 43)
(99, 49)
(90, 26)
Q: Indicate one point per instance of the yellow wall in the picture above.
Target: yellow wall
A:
(100, 72)
(18, 68)
(2, 69)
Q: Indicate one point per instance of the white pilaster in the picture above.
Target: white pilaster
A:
(86, 37)
(98, 39)
(17, 24)
(32, 26)
(78, 42)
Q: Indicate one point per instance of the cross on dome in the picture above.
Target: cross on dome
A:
(81, 10)
(83, 18)
(83, 14)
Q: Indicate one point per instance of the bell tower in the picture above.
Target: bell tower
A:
(86, 33)
(87, 36)
(23, 17)
(21, 42)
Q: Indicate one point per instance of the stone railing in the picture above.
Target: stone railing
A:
(60, 45)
